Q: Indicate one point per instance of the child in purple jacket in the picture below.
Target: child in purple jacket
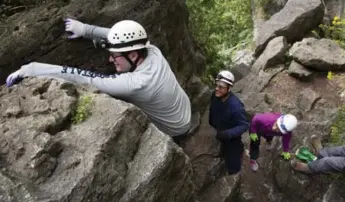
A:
(268, 125)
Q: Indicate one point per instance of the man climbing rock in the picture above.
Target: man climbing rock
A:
(144, 76)
(228, 117)
(331, 159)
(268, 125)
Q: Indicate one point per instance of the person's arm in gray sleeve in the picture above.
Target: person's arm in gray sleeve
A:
(95, 32)
(115, 85)
(79, 29)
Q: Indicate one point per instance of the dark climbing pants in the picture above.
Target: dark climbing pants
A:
(329, 160)
(255, 146)
(232, 152)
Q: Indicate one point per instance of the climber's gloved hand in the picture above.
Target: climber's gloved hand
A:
(253, 137)
(14, 78)
(76, 28)
(286, 155)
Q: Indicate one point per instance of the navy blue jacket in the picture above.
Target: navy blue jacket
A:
(229, 117)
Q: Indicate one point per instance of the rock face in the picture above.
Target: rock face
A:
(262, 79)
(300, 90)
(262, 10)
(114, 155)
(243, 57)
(334, 8)
(319, 54)
(299, 71)
(243, 61)
(157, 161)
(272, 55)
(290, 22)
(315, 104)
(313, 98)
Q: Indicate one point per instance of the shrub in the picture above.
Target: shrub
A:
(220, 27)
(338, 128)
(82, 110)
(335, 31)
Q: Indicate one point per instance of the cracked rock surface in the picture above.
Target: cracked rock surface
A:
(107, 157)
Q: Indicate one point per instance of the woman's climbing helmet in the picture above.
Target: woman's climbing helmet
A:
(286, 123)
(127, 35)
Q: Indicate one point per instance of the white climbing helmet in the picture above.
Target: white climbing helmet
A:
(286, 123)
(127, 35)
(226, 76)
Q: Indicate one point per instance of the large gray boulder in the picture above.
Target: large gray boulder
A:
(113, 155)
(319, 54)
(262, 11)
(242, 63)
(256, 82)
(273, 54)
(299, 71)
(334, 8)
(293, 21)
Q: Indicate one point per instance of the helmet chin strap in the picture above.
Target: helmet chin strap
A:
(133, 64)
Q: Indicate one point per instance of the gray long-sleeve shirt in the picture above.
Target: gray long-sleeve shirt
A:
(152, 86)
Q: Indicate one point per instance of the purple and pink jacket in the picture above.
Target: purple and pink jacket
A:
(262, 124)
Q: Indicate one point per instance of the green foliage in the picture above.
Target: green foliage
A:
(220, 27)
(338, 128)
(82, 110)
(335, 31)
(337, 138)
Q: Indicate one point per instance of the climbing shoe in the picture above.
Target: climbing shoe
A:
(316, 143)
(299, 166)
(304, 154)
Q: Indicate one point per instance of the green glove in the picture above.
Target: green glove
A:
(286, 155)
(304, 154)
(253, 137)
